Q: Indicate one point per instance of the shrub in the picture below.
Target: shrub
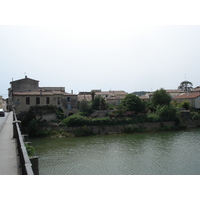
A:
(75, 120)
(152, 117)
(185, 104)
(167, 112)
(195, 115)
(30, 150)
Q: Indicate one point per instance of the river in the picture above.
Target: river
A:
(155, 153)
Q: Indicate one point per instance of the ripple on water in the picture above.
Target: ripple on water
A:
(144, 153)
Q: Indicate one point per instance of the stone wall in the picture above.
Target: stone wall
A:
(117, 129)
(47, 117)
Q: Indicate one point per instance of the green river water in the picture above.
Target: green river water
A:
(157, 153)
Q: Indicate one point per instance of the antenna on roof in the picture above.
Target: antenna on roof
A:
(185, 77)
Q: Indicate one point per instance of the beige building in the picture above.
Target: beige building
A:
(113, 97)
(193, 98)
(196, 89)
(26, 92)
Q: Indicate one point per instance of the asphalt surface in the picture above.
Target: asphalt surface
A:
(9, 161)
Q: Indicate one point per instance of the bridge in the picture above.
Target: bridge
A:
(14, 159)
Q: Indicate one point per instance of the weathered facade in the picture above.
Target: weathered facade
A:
(193, 98)
(113, 97)
(26, 92)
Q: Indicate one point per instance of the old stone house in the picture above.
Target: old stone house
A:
(113, 97)
(26, 92)
(193, 98)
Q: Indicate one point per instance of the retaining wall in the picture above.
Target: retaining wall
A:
(116, 129)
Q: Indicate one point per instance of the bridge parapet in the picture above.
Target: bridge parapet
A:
(25, 162)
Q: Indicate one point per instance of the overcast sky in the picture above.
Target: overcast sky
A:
(107, 45)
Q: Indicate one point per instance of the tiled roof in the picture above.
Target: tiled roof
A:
(86, 97)
(38, 93)
(188, 96)
(23, 80)
(174, 91)
(197, 89)
(114, 98)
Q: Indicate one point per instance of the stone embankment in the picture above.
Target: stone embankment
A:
(117, 129)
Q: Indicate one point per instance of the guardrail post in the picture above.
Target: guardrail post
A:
(35, 165)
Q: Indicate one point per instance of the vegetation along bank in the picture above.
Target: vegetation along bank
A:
(98, 117)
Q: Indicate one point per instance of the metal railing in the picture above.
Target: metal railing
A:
(25, 162)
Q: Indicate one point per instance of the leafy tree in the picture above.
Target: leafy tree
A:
(132, 103)
(92, 94)
(161, 97)
(85, 107)
(186, 86)
(99, 103)
(102, 104)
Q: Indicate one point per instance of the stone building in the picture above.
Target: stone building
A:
(193, 98)
(26, 92)
(113, 97)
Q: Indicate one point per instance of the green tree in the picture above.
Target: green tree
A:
(186, 86)
(132, 103)
(161, 97)
(85, 107)
(102, 104)
(99, 103)
(92, 94)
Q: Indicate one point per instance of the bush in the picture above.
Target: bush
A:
(195, 115)
(167, 113)
(185, 104)
(30, 150)
(152, 117)
(75, 120)
(164, 113)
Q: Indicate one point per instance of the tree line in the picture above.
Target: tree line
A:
(132, 109)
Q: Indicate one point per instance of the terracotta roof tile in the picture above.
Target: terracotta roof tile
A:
(187, 96)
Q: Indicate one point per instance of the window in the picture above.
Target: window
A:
(68, 99)
(58, 101)
(37, 100)
(27, 100)
(47, 100)
(69, 107)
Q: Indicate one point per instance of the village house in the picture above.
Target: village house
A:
(196, 89)
(26, 92)
(193, 98)
(113, 97)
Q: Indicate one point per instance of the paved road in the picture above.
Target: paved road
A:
(2, 120)
(9, 161)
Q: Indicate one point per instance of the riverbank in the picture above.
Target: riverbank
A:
(65, 131)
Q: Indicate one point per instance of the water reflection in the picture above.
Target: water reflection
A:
(141, 153)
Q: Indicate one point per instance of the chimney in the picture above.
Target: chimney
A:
(71, 91)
